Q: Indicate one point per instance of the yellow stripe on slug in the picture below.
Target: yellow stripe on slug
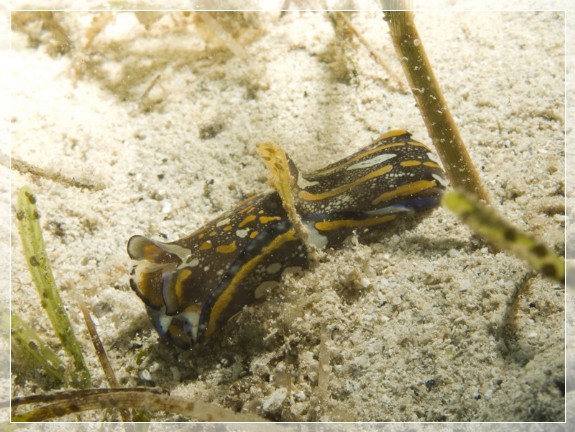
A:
(183, 275)
(391, 134)
(247, 220)
(341, 189)
(431, 164)
(227, 248)
(351, 223)
(417, 144)
(206, 245)
(410, 163)
(360, 156)
(408, 189)
(267, 219)
(226, 295)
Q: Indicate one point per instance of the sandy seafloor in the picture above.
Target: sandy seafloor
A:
(410, 322)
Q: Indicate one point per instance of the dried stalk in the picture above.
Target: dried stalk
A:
(397, 81)
(436, 115)
(65, 403)
(103, 357)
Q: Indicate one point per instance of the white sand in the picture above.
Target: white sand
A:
(412, 321)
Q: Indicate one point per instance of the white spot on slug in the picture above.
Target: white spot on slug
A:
(273, 268)
(264, 288)
(440, 179)
(225, 221)
(193, 318)
(303, 183)
(434, 158)
(241, 233)
(397, 208)
(314, 237)
(366, 163)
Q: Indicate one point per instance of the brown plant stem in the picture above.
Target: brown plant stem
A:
(70, 402)
(436, 115)
(103, 358)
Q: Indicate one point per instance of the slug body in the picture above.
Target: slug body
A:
(394, 175)
(193, 286)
